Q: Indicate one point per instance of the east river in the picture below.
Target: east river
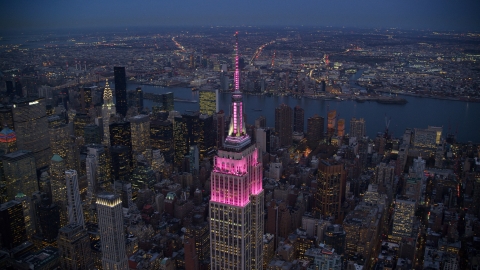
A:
(454, 116)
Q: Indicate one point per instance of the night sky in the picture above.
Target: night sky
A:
(405, 14)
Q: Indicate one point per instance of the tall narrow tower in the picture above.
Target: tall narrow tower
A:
(120, 90)
(236, 204)
(108, 109)
(74, 202)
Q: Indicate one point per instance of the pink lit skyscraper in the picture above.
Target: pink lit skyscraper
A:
(236, 204)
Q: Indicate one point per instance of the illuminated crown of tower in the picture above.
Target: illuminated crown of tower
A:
(237, 133)
(107, 93)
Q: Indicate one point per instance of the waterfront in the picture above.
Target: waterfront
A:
(417, 113)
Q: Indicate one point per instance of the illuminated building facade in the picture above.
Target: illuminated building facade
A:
(31, 128)
(12, 224)
(20, 173)
(112, 236)
(59, 189)
(161, 137)
(92, 134)
(8, 140)
(236, 204)
(357, 128)
(135, 99)
(74, 202)
(284, 124)
(59, 139)
(315, 127)
(427, 138)
(120, 90)
(80, 121)
(120, 155)
(74, 246)
(403, 216)
(341, 127)
(97, 169)
(28, 213)
(108, 109)
(331, 122)
(140, 128)
(206, 137)
(208, 102)
(331, 182)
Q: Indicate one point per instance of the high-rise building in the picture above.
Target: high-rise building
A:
(208, 100)
(135, 99)
(284, 124)
(236, 204)
(121, 134)
(59, 137)
(74, 246)
(140, 128)
(166, 101)
(180, 139)
(28, 213)
(92, 134)
(8, 140)
(74, 202)
(357, 128)
(12, 224)
(330, 188)
(120, 155)
(120, 90)
(427, 138)
(110, 225)
(97, 169)
(31, 128)
(315, 127)
(80, 121)
(331, 122)
(298, 119)
(59, 189)
(86, 99)
(20, 173)
(403, 216)
(108, 109)
(220, 122)
(206, 136)
(341, 127)
(261, 122)
(161, 137)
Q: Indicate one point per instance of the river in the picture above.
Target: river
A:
(454, 116)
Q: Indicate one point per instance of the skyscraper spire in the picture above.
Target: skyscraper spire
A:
(237, 133)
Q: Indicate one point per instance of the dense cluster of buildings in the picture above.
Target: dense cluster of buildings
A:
(90, 179)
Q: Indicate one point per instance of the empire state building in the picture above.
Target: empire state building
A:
(236, 204)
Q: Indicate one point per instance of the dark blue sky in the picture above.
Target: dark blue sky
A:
(407, 14)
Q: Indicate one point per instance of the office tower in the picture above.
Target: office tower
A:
(31, 128)
(334, 236)
(20, 173)
(74, 202)
(284, 124)
(79, 122)
(357, 128)
(206, 136)
(193, 156)
(12, 224)
(341, 128)
(331, 122)
(8, 140)
(59, 137)
(28, 213)
(315, 125)
(384, 177)
(108, 110)
(262, 139)
(161, 137)
(142, 177)
(298, 119)
(403, 216)
(135, 99)
(168, 102)
(120, 90)
(6, 116)
(180, 139)
(59, 189)
(120, 155)
(330, 188)
(208, 102)
(92, 134)
(236, 204)
(427, 138)
(140, 132)
(86, 98)
(98, 170)
(220, 130)
(121, 134)
(49, 219)
(261, 122)
(74, 247)
(112, 235)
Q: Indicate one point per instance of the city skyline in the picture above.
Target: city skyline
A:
(410, 14)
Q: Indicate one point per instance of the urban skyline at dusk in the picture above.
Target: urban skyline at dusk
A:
(249, 135)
